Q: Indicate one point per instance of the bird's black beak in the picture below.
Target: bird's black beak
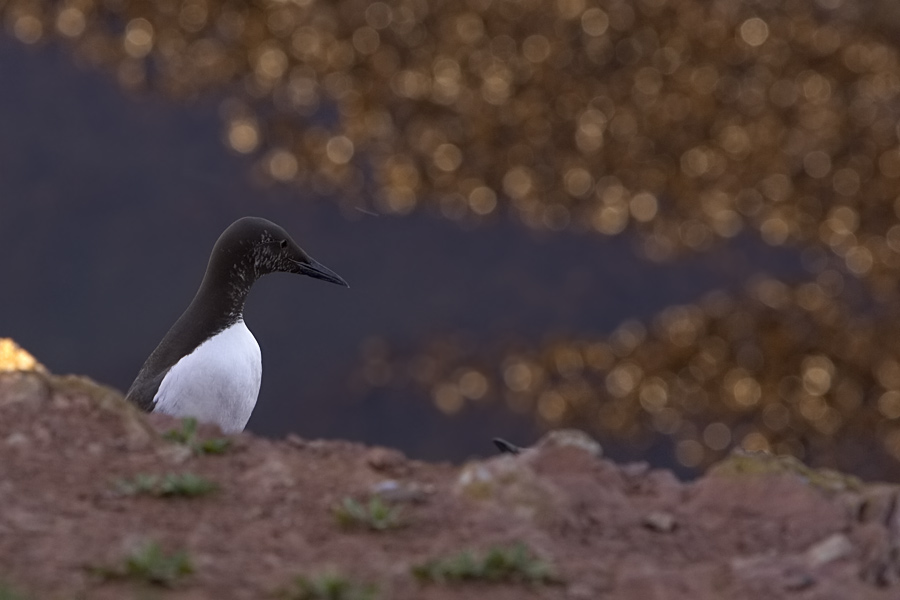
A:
(317, 270)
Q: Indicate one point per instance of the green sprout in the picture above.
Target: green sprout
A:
(499, 564)
(377, 515)
(151, 565)
(328, 586)
(185, 485)
(187, 436)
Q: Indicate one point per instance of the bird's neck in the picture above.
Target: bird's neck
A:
(223, 291)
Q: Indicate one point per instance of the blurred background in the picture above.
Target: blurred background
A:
(671, 224)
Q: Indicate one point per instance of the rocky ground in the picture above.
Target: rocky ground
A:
(97, 502)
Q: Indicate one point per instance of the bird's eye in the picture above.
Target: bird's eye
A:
(284, 243)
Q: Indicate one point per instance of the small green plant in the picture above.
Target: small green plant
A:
(328, 586)
(514, 563)
(187, 435)
(151, 565)
(377, 515)
(140, 484)
(213, 446)
(185, 485)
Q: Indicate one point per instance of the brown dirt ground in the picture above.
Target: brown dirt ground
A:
(755, 527)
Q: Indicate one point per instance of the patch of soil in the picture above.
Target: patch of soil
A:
(754, 527)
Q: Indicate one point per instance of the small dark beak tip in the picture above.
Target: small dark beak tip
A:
(336, 279)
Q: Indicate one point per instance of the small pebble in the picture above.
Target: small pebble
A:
(296, 441)
(635, 469)
(571, 438)
(392, 490)
(17, 439)
(830, 549)
(384, 459)
(662, 522)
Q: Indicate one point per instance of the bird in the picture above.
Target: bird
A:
(208, 366)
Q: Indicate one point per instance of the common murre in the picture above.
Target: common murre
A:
(208, 366)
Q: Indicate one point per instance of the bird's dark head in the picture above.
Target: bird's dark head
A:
(256, 247)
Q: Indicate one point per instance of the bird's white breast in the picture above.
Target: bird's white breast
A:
(216, 383)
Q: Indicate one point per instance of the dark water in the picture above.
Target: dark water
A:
(109, 204)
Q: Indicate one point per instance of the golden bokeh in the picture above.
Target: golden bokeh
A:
(792, 369)
(686, 121)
